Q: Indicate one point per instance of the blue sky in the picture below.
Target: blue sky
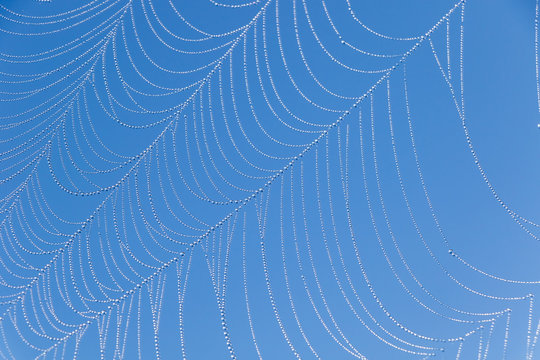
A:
(269, 179)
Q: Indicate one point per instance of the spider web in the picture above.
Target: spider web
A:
(257, 191)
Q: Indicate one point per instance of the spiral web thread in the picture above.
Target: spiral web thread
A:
(231, 171)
